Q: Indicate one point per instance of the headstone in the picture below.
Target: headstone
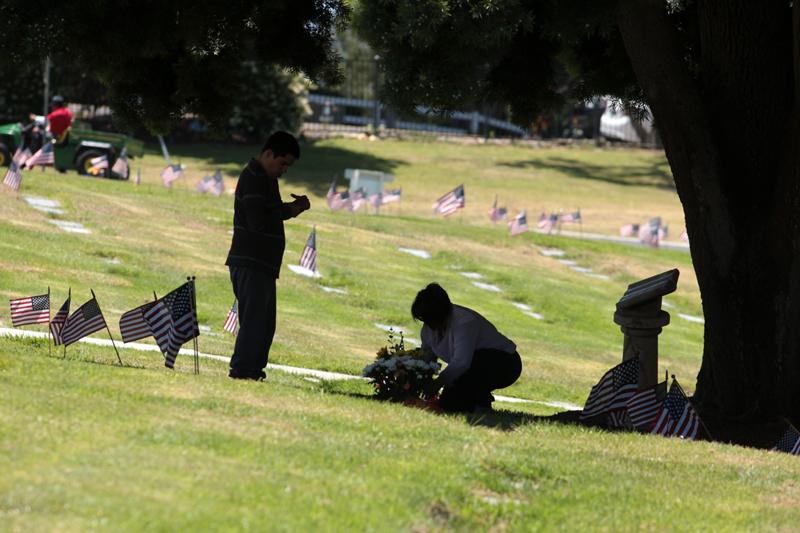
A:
(369, 181)
(641, 319)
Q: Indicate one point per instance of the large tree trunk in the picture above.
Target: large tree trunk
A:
(729, 122)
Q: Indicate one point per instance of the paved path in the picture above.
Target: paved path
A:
(310, 372)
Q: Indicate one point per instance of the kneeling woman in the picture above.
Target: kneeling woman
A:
(479, 358)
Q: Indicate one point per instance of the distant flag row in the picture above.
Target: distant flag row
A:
(651, 233)
(338, 200)
(651, 410)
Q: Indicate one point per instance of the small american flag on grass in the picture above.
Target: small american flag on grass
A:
(99, 165)
(171, 173)
(232, 319)
(133, 326)
(308, 259)
(519, 224)
(57, 324)
(644, 405)
(571, 218)
(613, 390)
(392, 195)
(789, 442)
(44, 156)
(450, 202)
(30, 310)
(677, 417)
(13, 176)
(173, 321)
(120, 167)
(84, 321)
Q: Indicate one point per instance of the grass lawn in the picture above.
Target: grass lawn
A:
(88, 445)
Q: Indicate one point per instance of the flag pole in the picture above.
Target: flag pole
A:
(194, 310)
(107, 329)
(49, 331)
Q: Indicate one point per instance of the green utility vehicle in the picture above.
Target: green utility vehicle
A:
(77, 150)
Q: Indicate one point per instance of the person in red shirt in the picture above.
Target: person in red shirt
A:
(60, 118)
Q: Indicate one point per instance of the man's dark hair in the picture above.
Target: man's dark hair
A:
(282, 143)
(432, 306)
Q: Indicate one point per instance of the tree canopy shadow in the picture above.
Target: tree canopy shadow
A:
(319, 164)
(653, 175)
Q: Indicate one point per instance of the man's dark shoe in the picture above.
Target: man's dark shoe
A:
(255, 376)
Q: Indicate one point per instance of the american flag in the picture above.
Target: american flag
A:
(684, 236)
(356, 200)
(13, 176)
(619, 418)
(519, 224)
(85, 320)
(57, 324)
(133, 326)
(173, 321)
(571, 218)
(789, 442)
(309, 257)
(337, 200)
(644, 406)
(376, 199)
(629, 230)
(99, 165)
(663, 231)
(392, 195)
(213, 184)
(30, 310)
(613, 390)
(120, 167)
(20, 156)
(44, 156)
(676, 417)
(171, 173)
(497, 213)
(232, 319)
(450, 202)
(649, 233)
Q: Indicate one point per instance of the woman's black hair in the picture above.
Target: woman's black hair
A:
(432, 306)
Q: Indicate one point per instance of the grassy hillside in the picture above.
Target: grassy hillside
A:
(89, 445)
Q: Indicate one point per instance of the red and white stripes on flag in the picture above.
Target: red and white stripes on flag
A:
(547, 223)
(337, 200)
(133, 326)
(629, 230)
(392, 195)
(44, 156)
(519, 224)
(84, 321)
(231, 320)
(171, 173)
(571, 218)
(214, 184)
(677, 417)
(13, 176)
(173, 321)
(619, 418)
(789, 442)
(644, 406)
(120, 167)
(357, 199)
(57, 323)
(308, 259)
(30, 310)
(613, 390)
(450, 202)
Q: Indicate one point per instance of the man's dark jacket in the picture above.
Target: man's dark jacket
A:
(258, 215)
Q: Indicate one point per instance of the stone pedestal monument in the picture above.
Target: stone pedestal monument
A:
(641, 319)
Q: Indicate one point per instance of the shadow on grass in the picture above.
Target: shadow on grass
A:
(655, 175)
(317, 167)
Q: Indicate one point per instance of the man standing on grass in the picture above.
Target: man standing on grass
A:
(256, 251)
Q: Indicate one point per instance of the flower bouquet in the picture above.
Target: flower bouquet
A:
(400, 375)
